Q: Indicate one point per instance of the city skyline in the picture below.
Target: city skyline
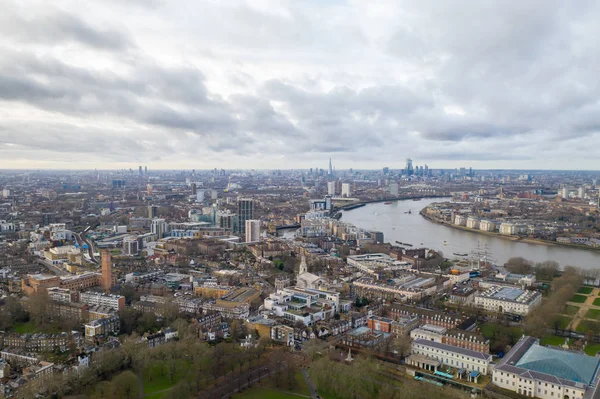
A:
(180, 85)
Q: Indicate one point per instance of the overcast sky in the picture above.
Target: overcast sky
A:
(288, 84)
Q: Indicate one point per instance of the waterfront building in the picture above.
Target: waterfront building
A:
(487, 225)
(460, 220)
(473, 222)
(507, 228)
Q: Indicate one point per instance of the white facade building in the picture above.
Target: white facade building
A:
(252, 230)
(453, 356)
(98, 299)
(428, 332)
(346, 190)
(331, 188)
(508, 300)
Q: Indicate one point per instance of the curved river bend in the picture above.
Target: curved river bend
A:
(397, 225)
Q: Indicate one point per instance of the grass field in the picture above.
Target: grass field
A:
(157, 384)
(578, 298)
(24, 328)
(585, 290)
(593, 314)
(266, 393)
(571, 310)
(563, 322)
(269, 391)
(552, 340)
(597, 302)
(29, 327)
(586, 325)
(592, 349)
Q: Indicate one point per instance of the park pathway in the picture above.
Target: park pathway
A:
(583, 308)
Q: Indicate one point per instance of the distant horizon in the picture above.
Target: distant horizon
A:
(150, 170)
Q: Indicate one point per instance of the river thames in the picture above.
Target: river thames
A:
(398, 225)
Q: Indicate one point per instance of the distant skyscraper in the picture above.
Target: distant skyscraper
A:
(245, 212)
(252, 230)
(409, 166)
(145, 170)
(141, 172)
(564, 192)
(330, 168)
(152, 211)
(394, 189)
(106, 270)
(193, 186)
(580, 192)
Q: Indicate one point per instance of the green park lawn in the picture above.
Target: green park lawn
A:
(24, 328)
(29, 327)
(563, 322)
(571, 310)
(597, 302)
(578, 298)
(269, 391)
(592, 349)
(593, 314)
(158, 382)
(552, 340)
(586, 325)
(258, 392)
(585, 290)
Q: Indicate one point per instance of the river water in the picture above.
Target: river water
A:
(397, 225)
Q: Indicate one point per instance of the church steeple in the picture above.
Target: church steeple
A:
(303, 268)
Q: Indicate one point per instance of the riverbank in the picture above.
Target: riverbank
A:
(537, 241)
(360, 204)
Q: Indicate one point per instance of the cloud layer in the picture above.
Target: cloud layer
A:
(240, 84)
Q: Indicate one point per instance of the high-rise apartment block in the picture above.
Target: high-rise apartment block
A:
(346, 190)
(331, 188)
(159, 228)
(106, 270)
(152, 211)
(252, 230)
(245, 212)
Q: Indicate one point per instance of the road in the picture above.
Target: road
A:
(53, 268)
(82, 240)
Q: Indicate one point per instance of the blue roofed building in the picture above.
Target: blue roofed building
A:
(547, 372)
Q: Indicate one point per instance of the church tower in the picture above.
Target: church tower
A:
(303, 268)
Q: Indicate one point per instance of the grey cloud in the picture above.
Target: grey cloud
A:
(58, 26)
(516, 73)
